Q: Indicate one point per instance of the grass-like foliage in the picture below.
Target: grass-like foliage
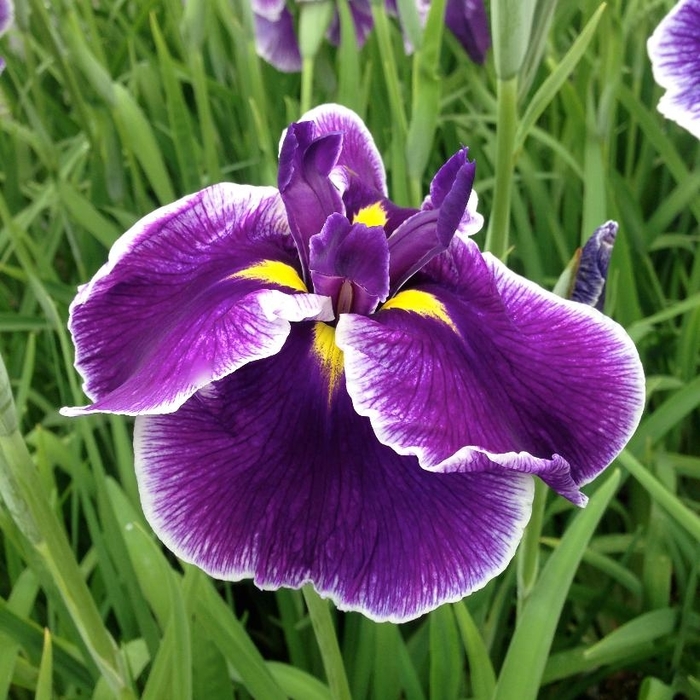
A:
(110, 109)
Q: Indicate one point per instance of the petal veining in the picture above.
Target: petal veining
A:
(187, 296)
(550, 386)
(259, 475)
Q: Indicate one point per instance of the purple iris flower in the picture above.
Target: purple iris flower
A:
(7, 13)
(276, 39)
(329, 388)
(593, 263)
(674, 49)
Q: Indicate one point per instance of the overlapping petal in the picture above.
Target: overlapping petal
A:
(192, 292)
(478, 369)
(674, 49)
(242, 485)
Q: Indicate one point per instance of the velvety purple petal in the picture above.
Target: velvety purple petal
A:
(674, 49)
(592, 273)
(276, 41)
(479, 369)
(467, 20)
(309, 196)
(192, 292)
(270, 474)
(359, 155)
(350, 264)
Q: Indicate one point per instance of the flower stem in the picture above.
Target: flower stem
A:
(506, 125)
(307, 81)
(327, 644)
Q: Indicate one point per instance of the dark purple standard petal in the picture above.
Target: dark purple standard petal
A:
(350, 264)
(192, 292)
(592, 273)
(308, 194)
(467, 20)
(479, 369)
(429, 232)
(674, 49)
(359, 157)
(270, 476)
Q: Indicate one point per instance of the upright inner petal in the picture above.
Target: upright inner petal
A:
(350, 264)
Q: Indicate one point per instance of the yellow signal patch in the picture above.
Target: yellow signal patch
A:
(329, 355)
(371, 215)
(273, 271)
(420, 303)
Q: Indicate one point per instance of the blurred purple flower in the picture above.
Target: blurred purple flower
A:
(7, 14)
(674, 49)
(330, 388)
(277, 42)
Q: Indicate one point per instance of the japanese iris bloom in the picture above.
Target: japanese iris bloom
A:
(329, 388)
(674, 49)
(276, 40)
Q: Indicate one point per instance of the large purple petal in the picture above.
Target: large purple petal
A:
(674, 49)
(479, 369)
(262, 475)
(359, 155)
(192, 292)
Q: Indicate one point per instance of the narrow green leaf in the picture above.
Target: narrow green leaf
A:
(44, 686)
(481, 673)
(178, 115)
(645, 628)
(551, 86)
(226, 631)
(138, 138)
(84, 213)
(667, 500)
(446, 660)
(298, 684)
(525, 661)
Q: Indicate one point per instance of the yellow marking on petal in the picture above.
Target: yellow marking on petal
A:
(329, 356)
(371, 215)
(421, 303)
(273, 271)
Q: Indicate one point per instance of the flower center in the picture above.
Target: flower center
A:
(349, 262)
